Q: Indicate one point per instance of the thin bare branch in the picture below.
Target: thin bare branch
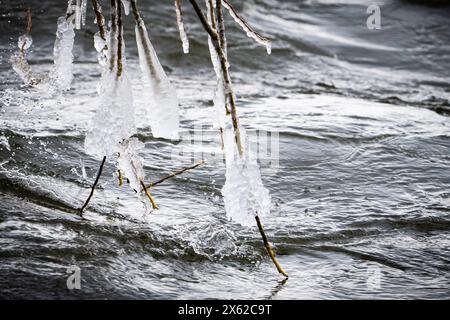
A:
(153, 184)
(99, 18)
(93, 187)
(269, 248)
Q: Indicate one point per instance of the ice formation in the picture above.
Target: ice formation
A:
(126, 6)
(83, 12)
(62, 54)
(163, 114)
(183, 35)
(18, 60)
(114, 120)
(130, 164)
(244, 193)
(246, 27)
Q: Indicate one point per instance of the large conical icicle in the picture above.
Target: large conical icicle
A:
(183, 36)
(163, 114)
(247, 28)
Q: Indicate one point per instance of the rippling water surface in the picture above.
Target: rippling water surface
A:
(360, 194)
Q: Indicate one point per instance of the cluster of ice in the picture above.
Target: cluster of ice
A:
(25, 41)
(114, 119)
(247, 29)
(244, 193)
(62, 54)
(101, 47)
(183, 35)
(163, 111)
(130, 164)
(126, 6)
(20, 64)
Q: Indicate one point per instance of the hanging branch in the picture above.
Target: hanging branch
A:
(226, 76)
(216, 39)
(93, 187)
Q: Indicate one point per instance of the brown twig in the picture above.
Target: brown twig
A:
(149, 196)
(100, 19)
(113, 35)
(29, 21)
(153, 184)
(120, 39)
(269, 248)
(93, 187)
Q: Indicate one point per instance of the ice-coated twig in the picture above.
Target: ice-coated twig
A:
(18, 60)
(177, 173)
(246, 27)
(269, 247)
(159, 92)
(226, 76)
(93, 187)
(83, 12)
(183, 36)
(100, 19)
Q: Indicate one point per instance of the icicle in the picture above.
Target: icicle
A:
(126, 6)
(246, 27)
(244, 193)
(83, 12)
(163, 115)
(62, 54)
(183, 35)
(78, 15)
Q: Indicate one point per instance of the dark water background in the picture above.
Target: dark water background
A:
(361, 195)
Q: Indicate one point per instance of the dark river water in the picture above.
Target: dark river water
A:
(358, 169)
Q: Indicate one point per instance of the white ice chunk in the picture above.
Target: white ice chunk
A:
(62, 54)
(163, 111)
(126, 6)
(183, 35)
(25, 41)
(130, 163)
(244, 193)
(114, 120)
